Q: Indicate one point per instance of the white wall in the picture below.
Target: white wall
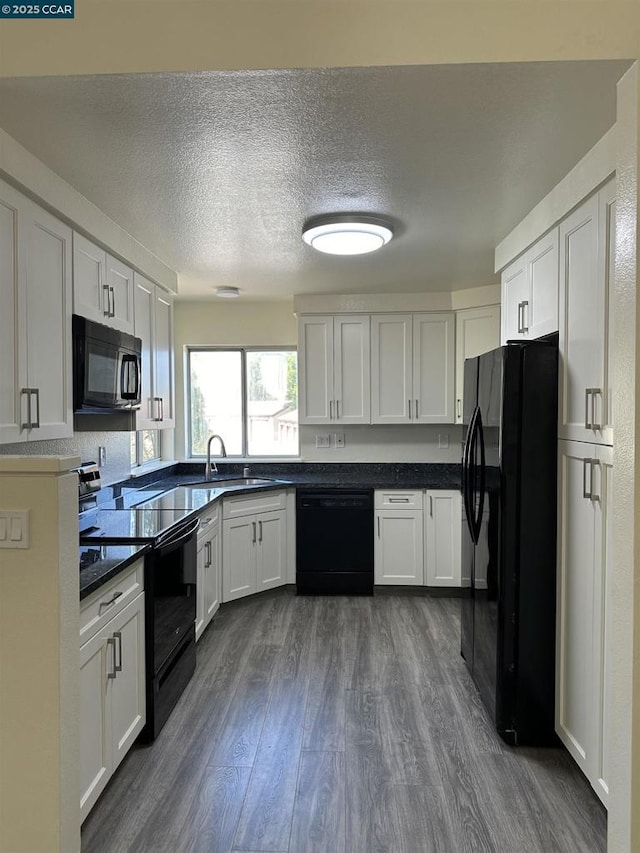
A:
(380, 443)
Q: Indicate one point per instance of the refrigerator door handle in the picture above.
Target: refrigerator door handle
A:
(465, 471)
(478, 520)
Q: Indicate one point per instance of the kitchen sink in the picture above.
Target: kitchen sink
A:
(231, 483)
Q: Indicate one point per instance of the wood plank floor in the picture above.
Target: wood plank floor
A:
(339, 725)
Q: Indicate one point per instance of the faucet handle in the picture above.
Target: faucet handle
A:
(245, 471)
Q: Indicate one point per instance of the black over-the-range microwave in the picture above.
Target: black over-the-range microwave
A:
(106, 368)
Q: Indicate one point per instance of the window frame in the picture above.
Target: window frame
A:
(244, 455)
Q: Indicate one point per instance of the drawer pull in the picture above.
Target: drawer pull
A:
(111, 642)
(398, 500)
(117, 635)
(116, 596)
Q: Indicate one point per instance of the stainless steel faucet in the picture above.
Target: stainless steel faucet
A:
(210, 468)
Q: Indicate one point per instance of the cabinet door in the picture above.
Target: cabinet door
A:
(144, 318)
(48, 318)
(515, 292)
(212, 574)
(239, 543)
(606, 263)
(540, 315)
(352, 369)
(11, 286)
(433, 368)
(315, 370)
(271, 552)
(202, 557)
(128, 701)
(120, 291)
(582, 309)
(90, 290)
(443, 509)
(399, 550)
(391, 368)
(477, 331)
(163, 381)
(577, 644)
(95, 722)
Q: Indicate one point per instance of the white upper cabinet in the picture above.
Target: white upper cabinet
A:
(530, 292)
(334, 369)
(11, 288)
(477, 331)
(412, 368)
(586, 262)
(154, 326)
(102, 286)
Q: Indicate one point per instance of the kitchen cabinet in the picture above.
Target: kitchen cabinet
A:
(254, 544)
(583, 666)
(334, 368)
(112, 684)
(103, 289)
(412, 368)
(587, 248)
(209, 580)
(154, 326)
(442, 536)
(399, 538)
(36, 392)
(477, 332)
(530, 292)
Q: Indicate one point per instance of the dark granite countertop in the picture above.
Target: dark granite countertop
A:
(109, 561)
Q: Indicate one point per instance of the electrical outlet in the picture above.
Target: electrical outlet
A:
(338, 439)
(102, 456)
(443, 440)
(323, 440)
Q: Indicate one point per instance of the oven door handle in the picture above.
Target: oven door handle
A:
(176, 537)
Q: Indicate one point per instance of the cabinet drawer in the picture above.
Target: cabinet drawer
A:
(207, 519)
(234, 507)
(397, 499)
(110, 599)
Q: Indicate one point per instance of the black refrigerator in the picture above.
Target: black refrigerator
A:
(509, 465)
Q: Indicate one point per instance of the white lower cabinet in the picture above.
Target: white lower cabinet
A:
(209, 579)
(254, 545)
(112, 692)
(583, 689)
(442, 536)
(399, 542)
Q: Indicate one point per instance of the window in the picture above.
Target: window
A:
(146, 446)
(248, 396)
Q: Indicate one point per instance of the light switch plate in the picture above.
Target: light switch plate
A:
(323, 440)
(443, 440)
(14, 528)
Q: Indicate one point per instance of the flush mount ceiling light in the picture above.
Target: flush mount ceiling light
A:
(227, 292)
(346, 234)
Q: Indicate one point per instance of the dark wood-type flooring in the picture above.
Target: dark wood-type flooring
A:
(345, 725)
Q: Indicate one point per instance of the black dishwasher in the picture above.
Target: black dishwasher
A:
(334, 542)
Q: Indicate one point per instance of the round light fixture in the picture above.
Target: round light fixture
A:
(227, 292)
(346, 234)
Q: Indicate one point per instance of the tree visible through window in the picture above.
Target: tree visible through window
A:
(249, 397)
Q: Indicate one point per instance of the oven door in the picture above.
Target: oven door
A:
(170, 587)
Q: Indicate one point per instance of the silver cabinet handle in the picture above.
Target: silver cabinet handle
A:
(586, 463)
(594, 393)
(416, 410)
(398, 500)
(587, 392)
(207, 546)
(458, 408)
(431, 505)
(409, 409)
(27, 424)
(378, 527)
(106, 300)
(113, 302)
(117, 635)
(337, 410)
(253, 541)
(111, 642)
(161, 408)
(595, 463)
(158, 401)
(116, 596)
(36, 424)
(330, 410)
(260, 528)
(519, 317)
(525, 304)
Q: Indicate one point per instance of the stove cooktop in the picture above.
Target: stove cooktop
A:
(125, 526)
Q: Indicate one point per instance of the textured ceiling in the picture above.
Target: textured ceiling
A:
(216, 172)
